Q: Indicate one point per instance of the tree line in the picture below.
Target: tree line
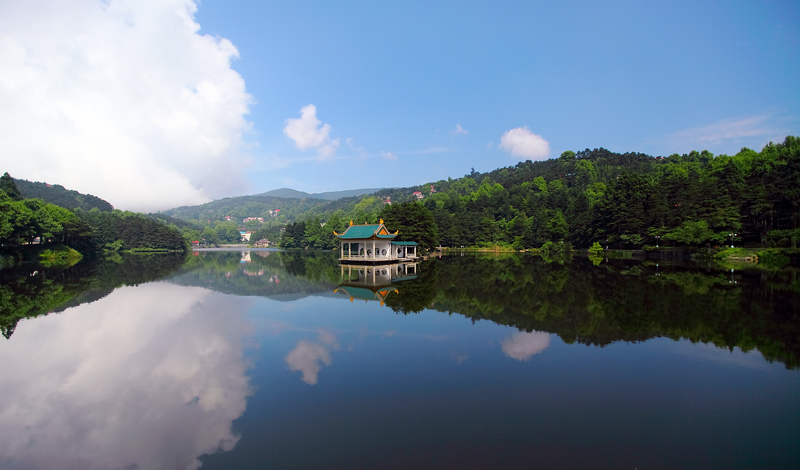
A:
(28, 222)
(617, 200)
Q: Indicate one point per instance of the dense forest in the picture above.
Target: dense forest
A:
(625, 200)
(33, 226)
(595, 196)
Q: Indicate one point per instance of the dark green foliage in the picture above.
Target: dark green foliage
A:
(119, 230)
(33, 223)
(294, 236)
(414, 222)
(60, 196)
(7, 185)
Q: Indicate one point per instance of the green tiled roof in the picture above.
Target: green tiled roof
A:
(363, 231)
(405, 243)
(358, 292)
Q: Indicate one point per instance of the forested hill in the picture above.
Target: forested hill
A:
(622, 200)
(626, 200)
(244, 206)
(60, 196)
(32, 228)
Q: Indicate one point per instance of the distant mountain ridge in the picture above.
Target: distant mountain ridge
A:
(328, 196)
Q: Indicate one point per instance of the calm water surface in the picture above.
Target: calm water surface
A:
(285, 360)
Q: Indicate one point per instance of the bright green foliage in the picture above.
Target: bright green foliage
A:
(691, 233)
(62, 256)
(317, 236)
(227, 232)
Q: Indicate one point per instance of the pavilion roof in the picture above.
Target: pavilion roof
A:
(364, 293)
(355, 232)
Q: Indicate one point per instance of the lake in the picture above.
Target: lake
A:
(268, 359)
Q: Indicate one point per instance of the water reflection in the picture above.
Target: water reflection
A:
(442, 375)
(374, 282)
(521, 346)
(28, 291)
(619, 300)
(129, 381)
(309, 357)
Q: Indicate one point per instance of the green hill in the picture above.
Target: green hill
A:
(329, 196)
(60, 196)
(620, 200)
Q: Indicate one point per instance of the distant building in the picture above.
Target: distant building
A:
(417, 194)
(263, 243)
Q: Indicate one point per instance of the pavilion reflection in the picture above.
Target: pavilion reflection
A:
(373, 282)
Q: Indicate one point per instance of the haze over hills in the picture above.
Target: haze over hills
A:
(329, 196)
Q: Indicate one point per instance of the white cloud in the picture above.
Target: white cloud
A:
(388, 155)
(121, 99)
(459, 130)
(521, 142)
(730, 134)
(308, 132)
(308, 357)
(521, 346)
(106, 385)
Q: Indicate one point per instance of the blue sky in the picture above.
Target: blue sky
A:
(399, 77)
(402, 93)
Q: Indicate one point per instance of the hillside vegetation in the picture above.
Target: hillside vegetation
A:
(618, 200)
(61, 196)
(32, 228)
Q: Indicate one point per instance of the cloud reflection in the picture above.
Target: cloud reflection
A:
(306, 357)
(148, 377)
(521, 346)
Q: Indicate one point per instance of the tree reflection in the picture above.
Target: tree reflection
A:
(616, 301)
(28, 291)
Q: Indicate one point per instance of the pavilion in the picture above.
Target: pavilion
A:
(372, 243)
